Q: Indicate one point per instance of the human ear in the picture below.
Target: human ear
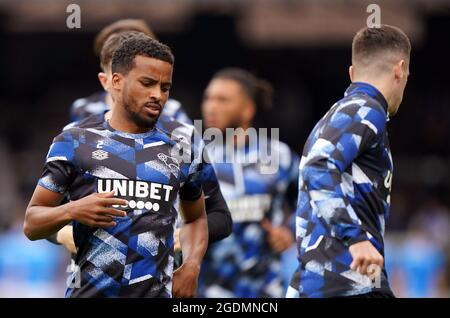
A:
(351, 73)
(117, 81)
(103, 80)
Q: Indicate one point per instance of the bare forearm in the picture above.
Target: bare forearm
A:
(194, 238)
(41, 221)
(46, 216)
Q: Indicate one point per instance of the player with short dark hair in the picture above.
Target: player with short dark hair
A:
(123, 178)
(346, 174)
(124, 58)
(105, 44)
(219, 218)
(110, 46)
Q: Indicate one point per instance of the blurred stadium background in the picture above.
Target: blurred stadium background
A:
(301, 46)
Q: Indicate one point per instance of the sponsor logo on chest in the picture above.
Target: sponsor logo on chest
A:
(249, 208)
(139, 194)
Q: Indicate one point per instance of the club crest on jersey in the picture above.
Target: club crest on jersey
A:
(99, 155)
(170, 162)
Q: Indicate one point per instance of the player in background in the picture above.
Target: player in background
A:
(247, 263)
(346, 176)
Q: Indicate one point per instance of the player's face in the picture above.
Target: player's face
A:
(146, 90)
(223, 104)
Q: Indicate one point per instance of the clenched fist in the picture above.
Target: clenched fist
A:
(366, 259)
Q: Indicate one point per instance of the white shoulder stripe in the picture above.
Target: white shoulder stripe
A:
(63, 158)
(154, 144)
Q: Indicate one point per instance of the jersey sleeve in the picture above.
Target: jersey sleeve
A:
(220, 223)
(174, 109)
(59, 172)
(338, 140)
(209, 180)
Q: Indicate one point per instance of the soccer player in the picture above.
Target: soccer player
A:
(123, 178)
(219, 218)
(346, 174)
(99, 102)
(247, 263)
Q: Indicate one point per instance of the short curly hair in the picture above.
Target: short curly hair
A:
(111, 45)
(139, 44)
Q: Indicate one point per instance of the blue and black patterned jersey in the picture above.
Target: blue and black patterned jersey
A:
(243, 264)
(96, 104)
(134, 258)
(344, 195)
(89, 111)
(215, 204)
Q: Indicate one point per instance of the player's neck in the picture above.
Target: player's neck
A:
(380, 85)
(109, 101)
(121, 122)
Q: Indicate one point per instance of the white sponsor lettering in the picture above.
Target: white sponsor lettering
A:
(249, 208)
(138, 193)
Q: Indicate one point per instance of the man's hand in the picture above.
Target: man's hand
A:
(366, 259)
(279, 238)
(95, 209)
(65, 238)
(176, 240)
(185, 280)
